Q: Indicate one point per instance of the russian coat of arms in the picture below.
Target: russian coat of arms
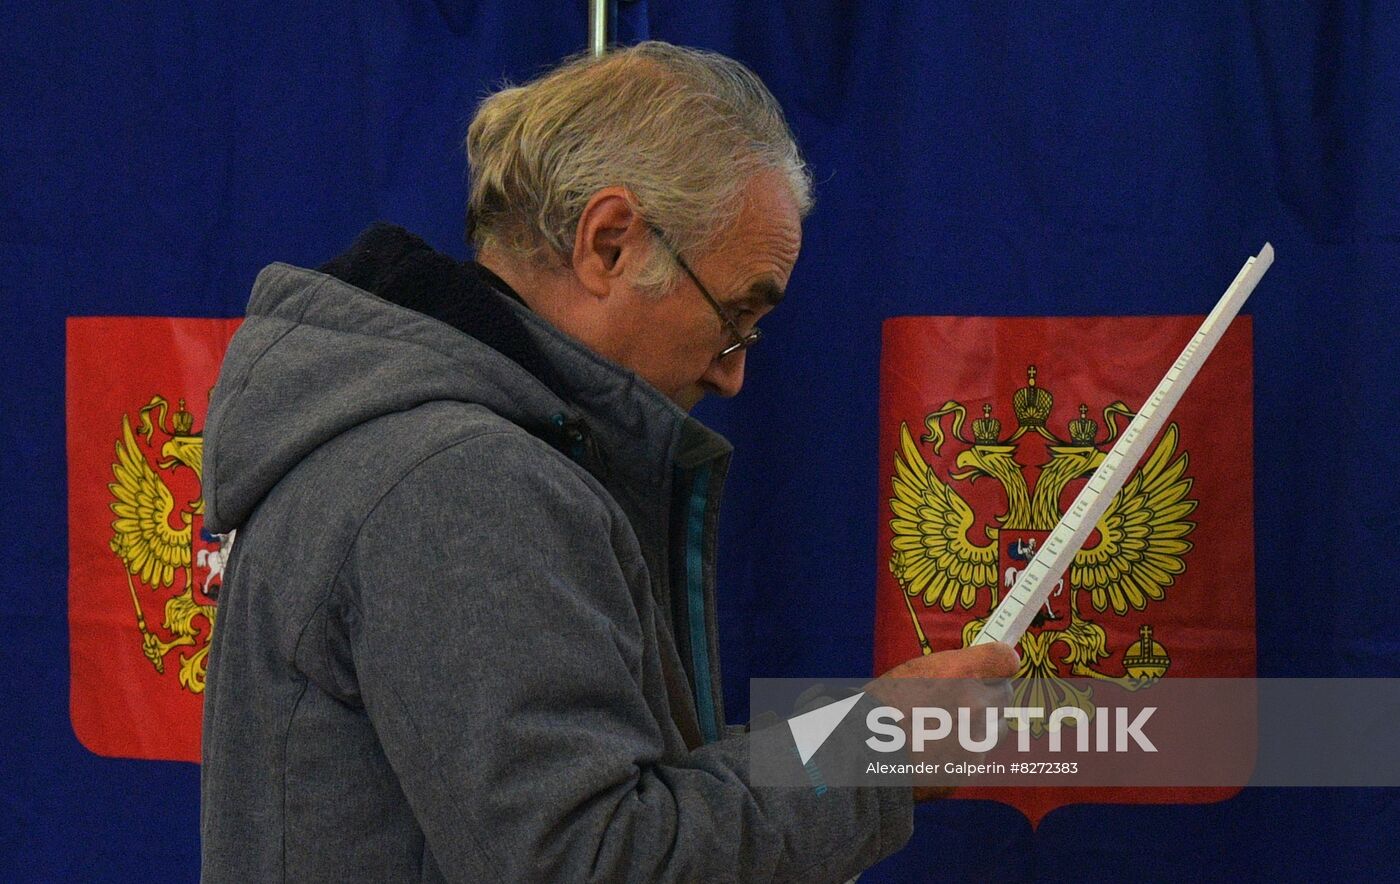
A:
(173, 570)
(949, 557)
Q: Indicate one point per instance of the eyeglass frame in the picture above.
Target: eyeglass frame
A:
(741, 341)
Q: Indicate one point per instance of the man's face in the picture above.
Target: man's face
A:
(676, 338)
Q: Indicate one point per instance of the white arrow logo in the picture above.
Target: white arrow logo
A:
(810, 729)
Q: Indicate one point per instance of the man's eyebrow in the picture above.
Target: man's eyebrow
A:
(765, 291)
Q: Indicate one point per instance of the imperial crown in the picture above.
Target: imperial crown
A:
(182, 421)
(1083, 430)
(986, 430)
(1032, 403)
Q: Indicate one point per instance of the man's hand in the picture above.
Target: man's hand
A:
(980, 671)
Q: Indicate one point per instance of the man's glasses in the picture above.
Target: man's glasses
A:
(741, 341)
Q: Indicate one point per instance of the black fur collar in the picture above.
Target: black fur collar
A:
(402, 268)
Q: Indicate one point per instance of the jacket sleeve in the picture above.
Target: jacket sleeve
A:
(499, 654)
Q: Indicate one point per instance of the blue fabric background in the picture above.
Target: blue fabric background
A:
(972, 158)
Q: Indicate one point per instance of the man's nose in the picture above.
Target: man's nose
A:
(725, 376)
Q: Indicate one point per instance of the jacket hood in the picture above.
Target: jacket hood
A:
(391, 325)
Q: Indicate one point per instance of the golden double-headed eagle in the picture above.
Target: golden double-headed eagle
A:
(153, 536)
(938, 558)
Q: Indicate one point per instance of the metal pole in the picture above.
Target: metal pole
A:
(598, 26)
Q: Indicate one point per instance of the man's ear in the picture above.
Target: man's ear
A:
(611, 240)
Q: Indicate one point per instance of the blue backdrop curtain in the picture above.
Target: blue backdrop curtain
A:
(972, 158)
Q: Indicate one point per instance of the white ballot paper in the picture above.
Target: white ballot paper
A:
(1009, 621)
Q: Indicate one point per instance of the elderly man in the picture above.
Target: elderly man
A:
(467, 630)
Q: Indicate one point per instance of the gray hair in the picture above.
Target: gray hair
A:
(683, 130)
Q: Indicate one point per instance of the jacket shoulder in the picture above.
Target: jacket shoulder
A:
(473, 452)
(467, 448)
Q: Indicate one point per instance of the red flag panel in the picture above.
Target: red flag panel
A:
(988, 429)
(143, 574)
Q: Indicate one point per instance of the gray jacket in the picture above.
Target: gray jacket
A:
(467, 629)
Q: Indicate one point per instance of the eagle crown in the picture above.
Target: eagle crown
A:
(182, 420)
(1032, 403)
